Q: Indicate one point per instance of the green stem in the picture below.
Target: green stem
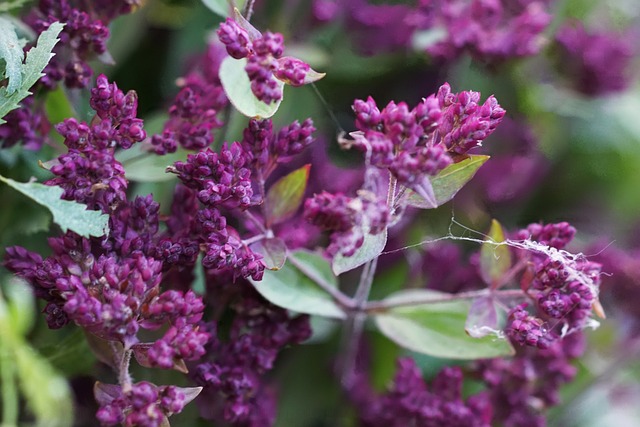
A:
(339, 297)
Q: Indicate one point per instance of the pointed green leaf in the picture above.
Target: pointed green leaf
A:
(273, 251)
(448, 182)
(372, 247)
(285, 196)
(12, 54)
(67, 214)
(237, 86)
(292, 289)
(495, 260)
(436, 329)
(37, 58)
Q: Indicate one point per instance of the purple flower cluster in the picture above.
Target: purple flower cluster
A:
(523, 387)
(194, 111)
(265, 63)
(596, 63)
(27, 124)
(231, 373)
(142, 404)
(112, 296)
(89, 172)
(220, 179)
(268, 148)
(564, 289)
(416, 144)
(491, 31)
(409, 401)
(347, 218)
(83, 36)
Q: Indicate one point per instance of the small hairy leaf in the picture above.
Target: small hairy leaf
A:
(37, 58)
(371, 248)
(293, 289)
(12, 54)
(437, 328)
(285, 195)
(495, 261)
(448, 182)
(273, 250)
(237, 86)
(67, 214)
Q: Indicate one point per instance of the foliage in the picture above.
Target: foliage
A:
(383, 246)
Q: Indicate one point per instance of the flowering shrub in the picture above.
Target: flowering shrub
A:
(216, 250)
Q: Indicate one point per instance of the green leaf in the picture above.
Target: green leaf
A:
(437, 328)
(47, 394)
(448, 182)
(285, 195)
(144, 166)
(495, 260)
(12, 54)
(37, 58)
(58, 106)
(237, 86)
(219, 7)
(482, 319)
(21, 306)
(274, 252)
(6, 7)
(371, 248)
(292, 288)
(67, 214)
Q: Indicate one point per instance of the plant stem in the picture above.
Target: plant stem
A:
(339, 297)
(255, 220)
(354, 325)
(382, 306)
(248, 9)
(124, 379)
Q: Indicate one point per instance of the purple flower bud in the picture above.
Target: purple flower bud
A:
(235, 39)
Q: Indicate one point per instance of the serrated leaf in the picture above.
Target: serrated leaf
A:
(436, 329)
(495, 260)
(37, 58)
(292, 289)
(12, 54)
(372, 246)
(448, 182)
(273, 251)
(285, 195)
(67, 214)
(237, 87)
(482, 319)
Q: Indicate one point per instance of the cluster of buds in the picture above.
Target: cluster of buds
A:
(416, 144)
(265, 63)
